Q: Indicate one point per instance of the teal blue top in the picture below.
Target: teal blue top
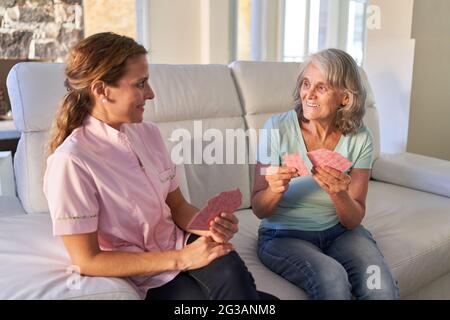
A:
(305, 205)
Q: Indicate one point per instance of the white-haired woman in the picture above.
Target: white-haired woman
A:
(311, 232)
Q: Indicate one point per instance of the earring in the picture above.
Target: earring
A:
(104, 100)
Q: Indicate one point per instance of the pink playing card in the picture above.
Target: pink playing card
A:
(296, 161)
(228, 201)
(325, 157)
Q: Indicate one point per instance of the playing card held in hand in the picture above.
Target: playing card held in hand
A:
(296, 161)
(228, 202)
(325, 157)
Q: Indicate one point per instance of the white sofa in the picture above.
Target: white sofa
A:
(408, 204)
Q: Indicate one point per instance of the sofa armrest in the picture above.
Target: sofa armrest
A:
(414, 171)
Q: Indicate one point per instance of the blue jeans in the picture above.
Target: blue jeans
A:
(330, 264)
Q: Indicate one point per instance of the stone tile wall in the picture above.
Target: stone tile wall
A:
(39, 29)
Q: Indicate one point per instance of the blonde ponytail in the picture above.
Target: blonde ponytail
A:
(70, 115)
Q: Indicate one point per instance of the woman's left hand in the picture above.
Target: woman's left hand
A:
(223, 227)
(331, 180)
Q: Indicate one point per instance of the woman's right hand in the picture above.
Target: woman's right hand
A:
(201, 252)
(278, 178)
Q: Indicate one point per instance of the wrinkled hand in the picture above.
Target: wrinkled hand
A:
(331, 180)
(278, 178)
(223, 227)
(201, 252)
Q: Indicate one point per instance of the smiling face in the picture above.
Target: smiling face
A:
(319, 101)
(126, 99)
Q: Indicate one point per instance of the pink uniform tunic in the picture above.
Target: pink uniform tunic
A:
(116, 183)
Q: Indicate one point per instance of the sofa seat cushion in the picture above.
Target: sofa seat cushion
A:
(34, 264)
(412, 229)
(10, 205)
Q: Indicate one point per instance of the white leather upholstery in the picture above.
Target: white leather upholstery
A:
(254, 78)
(10, 205)
(34, 265)
(29, 170)
(411, 227)
(202, 180)
(35, 90)
(414, 171)
(192, 92)
(185, 94)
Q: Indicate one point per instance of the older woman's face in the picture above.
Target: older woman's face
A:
(319, 100)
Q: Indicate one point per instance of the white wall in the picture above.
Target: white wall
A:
(190, 31)
(389, 66)
(429, 129)
(175, 34)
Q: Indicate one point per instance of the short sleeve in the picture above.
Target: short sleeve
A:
(71, 194)
(268, 146)
(365, 157)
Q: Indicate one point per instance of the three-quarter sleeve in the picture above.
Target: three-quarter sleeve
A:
(71, 194)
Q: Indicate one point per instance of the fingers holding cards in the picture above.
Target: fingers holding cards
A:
(278, 178)
(325, 157)
(296, 161)
(223, 227)
(225, 202)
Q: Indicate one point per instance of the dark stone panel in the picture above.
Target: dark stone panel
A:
(34, 19)
(40, 14)
(46, 51)
(69, 39)
(15, 45)
(8, 3)
(71, 2)
(20, 3)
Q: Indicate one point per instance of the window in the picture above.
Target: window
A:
(356, 29)
(243, 39)
(313, 25)
(304, 27)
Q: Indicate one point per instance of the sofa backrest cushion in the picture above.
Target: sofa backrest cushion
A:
(35, 90)
(267, 88)
(194, 98)
(200, 99)
(186, 95)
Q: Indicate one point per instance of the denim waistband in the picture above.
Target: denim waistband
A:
(319, 238)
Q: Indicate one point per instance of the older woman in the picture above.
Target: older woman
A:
(112, 189)
(311, 232)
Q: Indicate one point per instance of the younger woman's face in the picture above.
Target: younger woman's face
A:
(126, 100)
